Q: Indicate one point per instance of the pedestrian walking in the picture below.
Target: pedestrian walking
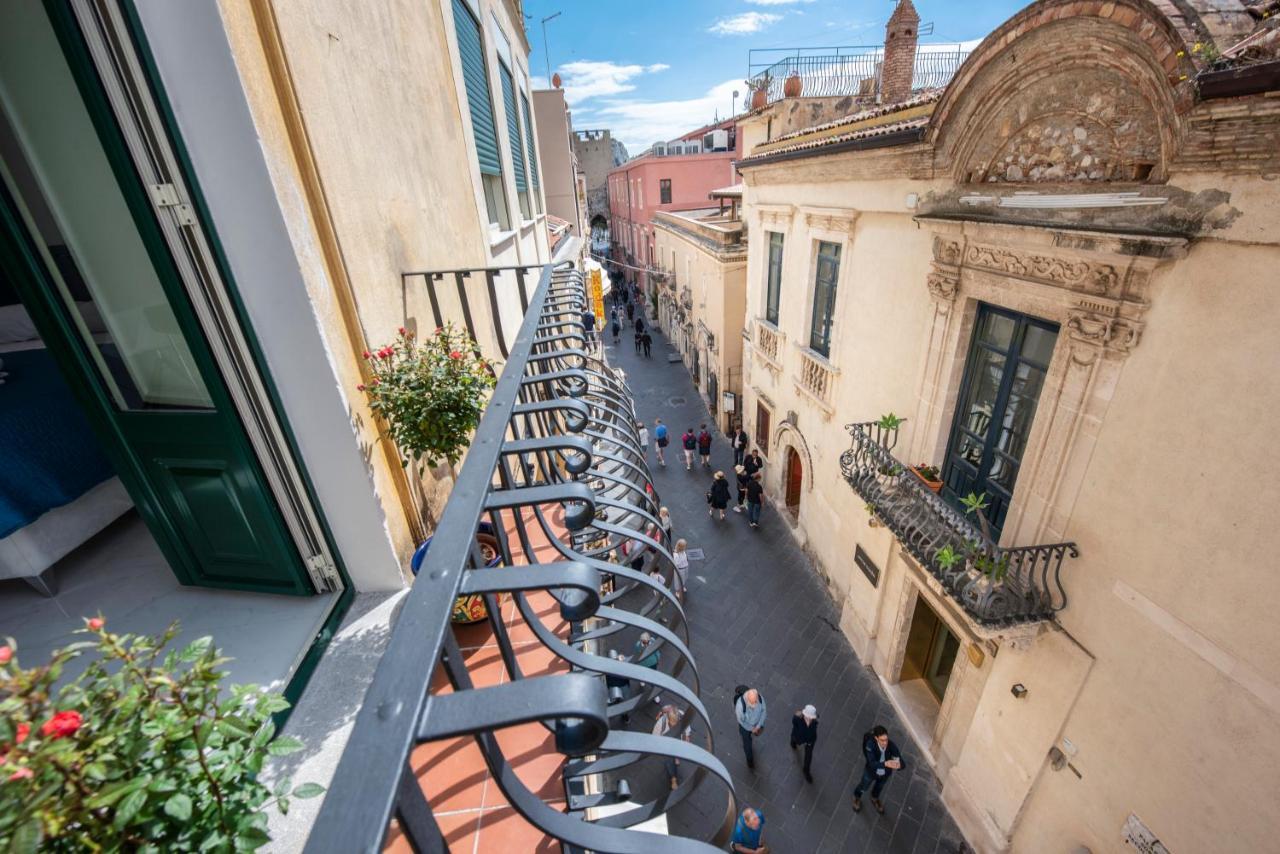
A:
(644, 438)
(748, 833)
(616, 327)
(883, 759)
(631, 311)
(690, 442)
(804, 731)
(660, 440)
(680, 559)
(646, 341)
(640, 324)
(754, 462)
(743, 480)
(740, 441)
(749, 709)
(755, 500)
(718, 495)
(639, 336)
(589, 328)
(651, 661)
(704, 445)
(668, 721)
(664, 522)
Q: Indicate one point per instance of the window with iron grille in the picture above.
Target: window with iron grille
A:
(824, 297)
(664, 191)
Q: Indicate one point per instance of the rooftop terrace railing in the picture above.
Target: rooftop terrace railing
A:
(996, 586)
(557, 472)
(852, 70)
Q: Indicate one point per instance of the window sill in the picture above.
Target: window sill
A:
(527, 224)
(497, 236)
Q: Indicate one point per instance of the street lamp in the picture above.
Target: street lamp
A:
(545, 49)
(733, 109)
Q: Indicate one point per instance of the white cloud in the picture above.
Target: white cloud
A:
(586, 78)
(639, 124)
(776, 2)
(747, 22)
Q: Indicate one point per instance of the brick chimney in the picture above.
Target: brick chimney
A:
(900, 36)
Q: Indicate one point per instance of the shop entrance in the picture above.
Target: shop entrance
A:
(931, 651)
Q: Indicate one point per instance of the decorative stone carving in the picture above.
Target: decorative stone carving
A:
(833, 219)
(945, 250)
(1069, 273)
(775, 218)
(944, 284)
(1097, 324)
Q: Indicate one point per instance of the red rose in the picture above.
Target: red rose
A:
(365, 354)
(95, 623)
(455, 355)
(360, 387)
(402, 332)
(61, 725)
(23, 730)
(23, 773)
(6, 655)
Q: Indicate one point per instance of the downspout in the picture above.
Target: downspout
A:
(268, 27)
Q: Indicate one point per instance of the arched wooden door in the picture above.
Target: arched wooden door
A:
(795, 477)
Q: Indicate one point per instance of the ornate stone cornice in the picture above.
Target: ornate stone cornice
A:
(1100, 324)
(776, 216)
(831, 219)
(1071, 273)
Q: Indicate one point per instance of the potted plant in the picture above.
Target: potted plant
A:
(145, 750)
(793, 85)
(985, 555)
(759, 87)
(431, 393)
(873, 521)
(930, 475)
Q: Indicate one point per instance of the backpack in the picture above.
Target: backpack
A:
(704, 439)
(690, 442)
(737, 695)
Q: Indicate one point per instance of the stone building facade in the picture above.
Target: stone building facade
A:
(1060, 273)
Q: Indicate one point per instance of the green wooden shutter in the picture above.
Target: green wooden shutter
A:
(471, 52)
(528, 135)
(513, 126)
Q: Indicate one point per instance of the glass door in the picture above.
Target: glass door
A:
(1004, 375)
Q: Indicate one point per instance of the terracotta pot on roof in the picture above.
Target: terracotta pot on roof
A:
(792, 86)
(555, 80)
(759, 98)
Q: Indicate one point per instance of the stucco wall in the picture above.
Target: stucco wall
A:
(559, 184)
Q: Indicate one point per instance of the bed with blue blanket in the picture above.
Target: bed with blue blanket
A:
(57, 488)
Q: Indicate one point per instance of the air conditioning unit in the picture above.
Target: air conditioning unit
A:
(660, 149)
(692, 146)
(673, 149)
(717, 140)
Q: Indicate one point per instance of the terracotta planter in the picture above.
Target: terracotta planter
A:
(792, 86)
(935, 485)
(466, 609)
(759, 98)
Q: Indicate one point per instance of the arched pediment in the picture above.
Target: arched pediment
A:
(1067, 91)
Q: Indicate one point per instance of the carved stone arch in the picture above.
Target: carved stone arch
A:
(788, 435)
(1067, 91)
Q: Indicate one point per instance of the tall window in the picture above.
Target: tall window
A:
(515, 139)
(1003, 377)
(824, 297)
(774, 287)
(664, 191)
(476, 80)
(762, 428)
(533, 151)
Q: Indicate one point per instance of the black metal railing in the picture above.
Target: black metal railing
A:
(450, 298)
(557, 476)
(995, 585)
(852, 70)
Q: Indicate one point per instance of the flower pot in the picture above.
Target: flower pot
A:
(759, 98)
(935, 485)
(466, 609)
(792, 86)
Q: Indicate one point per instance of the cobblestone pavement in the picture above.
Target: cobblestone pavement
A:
(759, 614)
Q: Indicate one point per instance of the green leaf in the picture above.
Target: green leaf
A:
(251, 839)
(178, 806)
(27, 838)
(115, 792)
(284, 745)
(308, 790)
(129, 808)
(263, 736)
(281, 787)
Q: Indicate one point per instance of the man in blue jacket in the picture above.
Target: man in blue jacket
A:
(883, 759)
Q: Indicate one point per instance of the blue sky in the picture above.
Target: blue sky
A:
(650, 70)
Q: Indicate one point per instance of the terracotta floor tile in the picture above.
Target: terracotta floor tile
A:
(504, 830)
(537, 660)
(531, 750)
(459, 831)
(451, 773)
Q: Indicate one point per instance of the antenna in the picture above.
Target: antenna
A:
(926, 29)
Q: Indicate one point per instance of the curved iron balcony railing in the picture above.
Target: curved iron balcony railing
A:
(557, 471)
(996, 586)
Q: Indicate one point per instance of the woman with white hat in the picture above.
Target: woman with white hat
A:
(804, 730)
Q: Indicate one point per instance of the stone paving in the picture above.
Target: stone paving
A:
(760, 615)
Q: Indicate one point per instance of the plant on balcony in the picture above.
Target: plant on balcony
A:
(759, 88)
(890, 422)
(947, 557)
(984, 554)
(930, 475)
(143, 751)
(874, 521)
(431, 393)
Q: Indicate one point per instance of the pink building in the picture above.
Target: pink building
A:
(671, 176)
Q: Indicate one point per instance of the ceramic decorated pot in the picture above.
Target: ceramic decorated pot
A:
(466, 609)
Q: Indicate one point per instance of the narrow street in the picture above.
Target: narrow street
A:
(759, 615)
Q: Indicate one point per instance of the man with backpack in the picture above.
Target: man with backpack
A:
(749, 709)
(883, 759)
(704, 446)
(690, 442)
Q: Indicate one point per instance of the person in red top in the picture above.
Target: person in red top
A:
(704, 445)
(690, 442)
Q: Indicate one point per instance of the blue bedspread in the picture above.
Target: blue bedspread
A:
(49, 455)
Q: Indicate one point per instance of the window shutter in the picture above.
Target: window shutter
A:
(513, 126)
(528, 135)
(471, 52)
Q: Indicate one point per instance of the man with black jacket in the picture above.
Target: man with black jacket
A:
(883, 759)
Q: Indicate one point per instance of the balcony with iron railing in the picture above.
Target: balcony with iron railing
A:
(994, 584)
(850, 70)
(572, 569)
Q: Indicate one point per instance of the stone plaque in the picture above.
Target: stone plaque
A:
(869, 569)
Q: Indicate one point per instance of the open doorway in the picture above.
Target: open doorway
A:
(927, 665)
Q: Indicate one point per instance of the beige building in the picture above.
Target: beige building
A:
(560, 164)
(701, 298)
(1060, 272)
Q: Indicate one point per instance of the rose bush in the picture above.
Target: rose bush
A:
(142, 751)
(431, 393)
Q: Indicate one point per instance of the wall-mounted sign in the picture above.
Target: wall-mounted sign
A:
(869, 569)
(729, 402)
(597, 298)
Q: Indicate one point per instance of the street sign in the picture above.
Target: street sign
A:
(597, 298)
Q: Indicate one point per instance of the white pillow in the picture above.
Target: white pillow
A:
(16, 325)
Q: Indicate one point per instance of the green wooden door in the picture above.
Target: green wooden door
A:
(81, 243)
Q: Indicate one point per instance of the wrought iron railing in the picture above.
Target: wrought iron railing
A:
(852, 70)
(995, 585)
(557, 474)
